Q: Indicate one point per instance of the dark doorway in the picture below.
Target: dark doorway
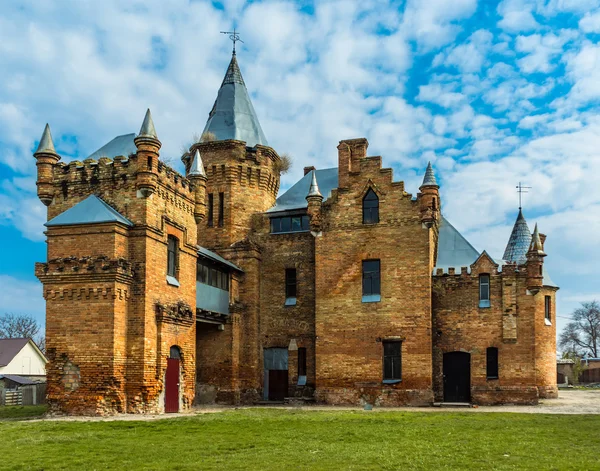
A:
(172, 381)
(278, 385)
(457, 377)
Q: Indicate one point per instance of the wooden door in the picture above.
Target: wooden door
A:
(457, 377)
(278, 385)
(172, 386)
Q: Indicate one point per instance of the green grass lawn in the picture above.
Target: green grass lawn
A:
(271, 439)
(21, 412)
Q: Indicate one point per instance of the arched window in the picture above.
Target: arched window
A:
(172, 254)
(175, 352)
(370, 208)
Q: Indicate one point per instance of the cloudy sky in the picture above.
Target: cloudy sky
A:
(492, 93)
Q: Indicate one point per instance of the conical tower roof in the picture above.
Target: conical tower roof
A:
(429, 179)
(314, 186)
(519, 241)
(46, 144)
(147, 129)
(233, 116)
(536, 243)
(197, 167)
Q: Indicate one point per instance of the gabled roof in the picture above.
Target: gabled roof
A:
(518, 242)
(9, 349)
(295, 196)
(120, 145)
(453, 249)
(233, 116)
(91, 210)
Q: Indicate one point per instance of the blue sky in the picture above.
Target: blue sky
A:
(492, 93)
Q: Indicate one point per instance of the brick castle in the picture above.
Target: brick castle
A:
(164, 290)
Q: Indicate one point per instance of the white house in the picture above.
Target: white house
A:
(21, 357)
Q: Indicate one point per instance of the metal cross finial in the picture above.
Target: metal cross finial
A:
(234, 36)
(522, 189)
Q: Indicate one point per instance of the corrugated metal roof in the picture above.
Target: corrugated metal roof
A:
(453, 249)
(233, 116)
(19, 379)
(204, 252)
(119, 146)
(295, 196)
(91, 210)
(9, 349)
(518, 242)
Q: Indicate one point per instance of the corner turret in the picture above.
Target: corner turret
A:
(315, 204)
(429, 198)
(46, 158)
(197, 175)
(535, 261)
(147, 145)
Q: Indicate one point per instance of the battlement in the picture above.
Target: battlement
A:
(508, 269)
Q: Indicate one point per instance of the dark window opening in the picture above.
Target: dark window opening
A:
(492, 363)
(392, 360)
(301, 361)
(175, 352)
(290, 283)
(370, 208)
(221, 209)
(548, 308)
(210, 209)
(149, 162)
(172, 254)
(289, 224)
(484, 290)
(371, 277)
(211, 274)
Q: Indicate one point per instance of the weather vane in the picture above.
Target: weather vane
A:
(522, 189)
(234, 36)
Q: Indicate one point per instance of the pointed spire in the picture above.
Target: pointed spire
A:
(314, 187)
(429, 179)
(518, 242)
(536, 243)
(197, 167)
(46, 145)
(147, 129)
(233, 74)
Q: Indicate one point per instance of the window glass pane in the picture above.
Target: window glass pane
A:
(226, 278)
(286, 224)
(290, 282)
(387, 368)
(484, 287)
(370, 208)
(371, 283)
(305, 223)
(392, 360)
(296, 224)
(276, 225)
(396, 367)
(213, 278)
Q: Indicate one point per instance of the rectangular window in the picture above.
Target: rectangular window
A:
(290, 224)
(548, 308)
(371, 285)
(221, 209)
(492, 363)
(301, 361)
(202, 273)
(172, 256)
(290, 283)
(484, 290)
(392, 361)
(210, 274)
(210, 209)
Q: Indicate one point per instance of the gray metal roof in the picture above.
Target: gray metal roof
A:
(19, 379)
(232, 115)
(295, 196)
(453, 249)
(91, 210)
(147, 129)
(119, 146)
(429, 178)
(519, 241)
(197, 167)
(314, 186)
(46, 144)
(204, 252)
(9, 349)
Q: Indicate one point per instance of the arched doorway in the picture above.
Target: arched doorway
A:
(457, 377)
(172, 380)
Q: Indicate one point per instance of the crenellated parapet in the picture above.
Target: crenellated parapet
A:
(70, 269)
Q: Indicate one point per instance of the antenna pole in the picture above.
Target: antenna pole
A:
(522, 189)
(234, 36)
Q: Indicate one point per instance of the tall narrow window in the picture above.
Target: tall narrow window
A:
(370, 208)
(221, 209)
(210, 209)
(172, 249)
(392, 361)
(548, 308)
(484, 290)
(492, 363)
(371, 288)
(291, 285)
(301, 361)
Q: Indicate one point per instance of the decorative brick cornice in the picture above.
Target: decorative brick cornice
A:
(74, 269)
(86, 293)
(179, 313)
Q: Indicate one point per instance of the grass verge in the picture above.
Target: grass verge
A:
(21, 412)
(281, 439)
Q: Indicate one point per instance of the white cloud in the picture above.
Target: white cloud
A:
(517, 16)
(470, 56)
(541, 50)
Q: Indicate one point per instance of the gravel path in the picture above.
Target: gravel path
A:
(570, 401)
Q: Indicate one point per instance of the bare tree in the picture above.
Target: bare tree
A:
(22, 326)
(582, 334)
